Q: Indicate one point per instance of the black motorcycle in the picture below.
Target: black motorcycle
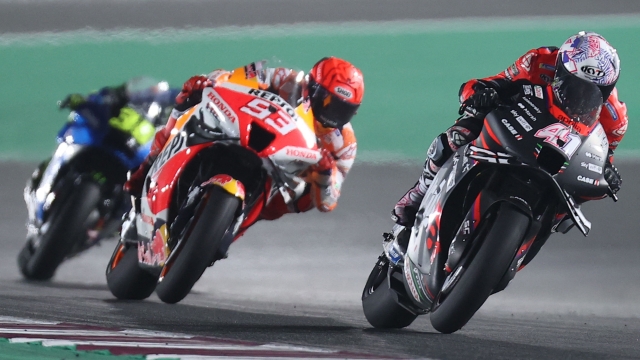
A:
(488, 212)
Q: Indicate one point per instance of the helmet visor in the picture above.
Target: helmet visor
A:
(330, 110)
(580, 99)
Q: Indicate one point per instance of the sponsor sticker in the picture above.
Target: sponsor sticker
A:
(588, 180)
(538, 90)
(549, 67)
(223, 106)
(592, 72)
(537, 109)
(592, 167)
(593, 156)
(595, 168)
(412, 286)
(250, 71)
(612, 111)
(344, 92)
(527, 90)
(514, 70)
(511, 129)
(525, 125)
(301, 153)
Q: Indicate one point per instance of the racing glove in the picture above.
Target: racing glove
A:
(480, 103)
(136, 181)
(326, 164)
(612, 176)
(191, 92)
(71, 102)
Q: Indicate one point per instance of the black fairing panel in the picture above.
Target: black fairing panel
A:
(533, 137)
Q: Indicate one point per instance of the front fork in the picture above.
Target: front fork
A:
(152, 251)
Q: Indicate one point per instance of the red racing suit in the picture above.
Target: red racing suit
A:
(538, 67)
(323, 189)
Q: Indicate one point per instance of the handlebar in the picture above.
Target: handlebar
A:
(612, 195)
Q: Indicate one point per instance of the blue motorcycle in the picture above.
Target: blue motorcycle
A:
(75, 199)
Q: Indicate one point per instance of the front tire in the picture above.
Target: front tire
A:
(125, 279)
(380, 301)
(66, 228)
(213, 218)
(455, 307)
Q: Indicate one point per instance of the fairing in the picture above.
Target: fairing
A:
(234, 116)
(551, 165)
(83, 132)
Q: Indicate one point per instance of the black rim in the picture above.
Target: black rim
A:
(464, 263)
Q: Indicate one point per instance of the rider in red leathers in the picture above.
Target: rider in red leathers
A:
(332, 92)
(586, 55)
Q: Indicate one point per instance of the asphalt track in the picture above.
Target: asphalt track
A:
(298, 280)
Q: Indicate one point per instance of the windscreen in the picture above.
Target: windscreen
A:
(580, 99)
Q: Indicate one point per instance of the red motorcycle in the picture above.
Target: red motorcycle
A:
(226, 159)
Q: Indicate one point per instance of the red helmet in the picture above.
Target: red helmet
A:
(335, 91)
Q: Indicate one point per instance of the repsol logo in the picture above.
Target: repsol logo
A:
(344, 92)
(275, 99)
(592, 71)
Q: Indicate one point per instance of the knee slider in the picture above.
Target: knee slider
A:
(439, 150)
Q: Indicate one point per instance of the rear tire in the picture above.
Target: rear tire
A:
(213, 218)
(67, 227)
(484, 271)
(125, 279)
(380, 302)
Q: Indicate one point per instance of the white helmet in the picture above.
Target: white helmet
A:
(589, 56)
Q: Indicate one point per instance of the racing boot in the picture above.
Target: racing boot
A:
(404, 213)
(129, 232)
(395, 243)
(440, 150)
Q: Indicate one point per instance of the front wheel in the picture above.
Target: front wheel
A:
(65, 228)
(125, 278)
(380, 301)
(212, 219)
(471, 283)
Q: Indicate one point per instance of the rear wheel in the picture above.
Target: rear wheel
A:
(65, 227)
(471, 283)
(125, 278)
(212, 219)
(380, 301)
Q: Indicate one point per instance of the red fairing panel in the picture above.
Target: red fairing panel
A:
(258, 106)
(159, 194)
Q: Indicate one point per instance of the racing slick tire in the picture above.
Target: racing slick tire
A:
(125, 278)
(455, 306)
(380, 301)
(66, 227)
(215, 214)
